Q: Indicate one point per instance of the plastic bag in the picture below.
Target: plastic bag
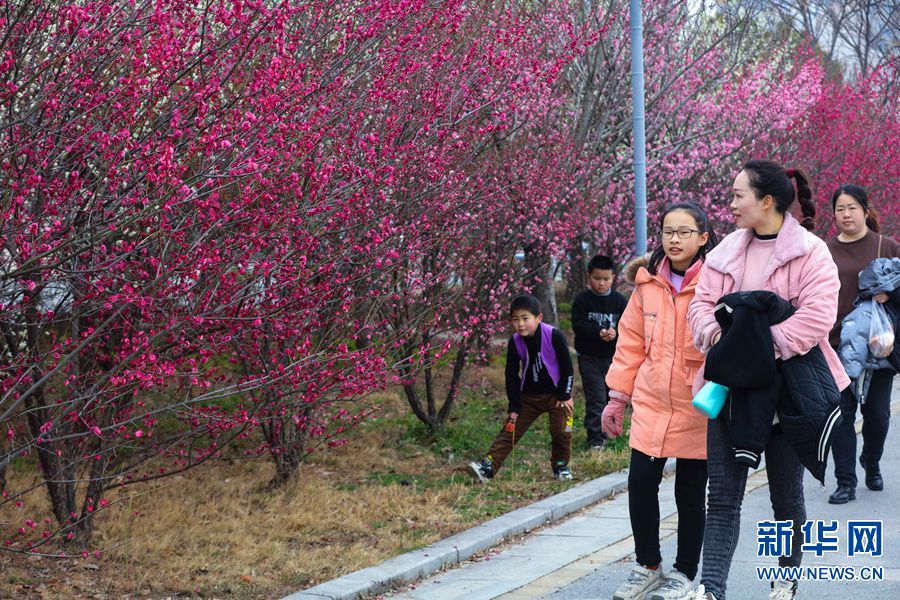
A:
(881, 332)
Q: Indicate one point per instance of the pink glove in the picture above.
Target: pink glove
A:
(614, 414)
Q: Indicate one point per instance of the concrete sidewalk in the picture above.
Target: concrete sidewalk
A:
(590, 553)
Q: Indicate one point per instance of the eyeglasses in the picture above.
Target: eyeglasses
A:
(683, 233)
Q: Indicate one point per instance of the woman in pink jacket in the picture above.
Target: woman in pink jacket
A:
(653, 368)
(770, 251)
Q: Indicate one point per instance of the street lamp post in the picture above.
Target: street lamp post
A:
(637, 119)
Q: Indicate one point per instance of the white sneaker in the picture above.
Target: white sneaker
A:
(675, 586)
(639, 582)
(783, 590)
(482, 470)
(700, 594)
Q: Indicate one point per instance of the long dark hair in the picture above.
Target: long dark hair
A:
(860, 195)
(699, 216)
(768, 178)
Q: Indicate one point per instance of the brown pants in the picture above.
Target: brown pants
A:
(532, 408)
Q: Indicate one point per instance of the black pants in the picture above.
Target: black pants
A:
(876, 412)
(643, 506)
(593, 370)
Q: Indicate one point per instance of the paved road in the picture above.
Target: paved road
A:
(589, 554)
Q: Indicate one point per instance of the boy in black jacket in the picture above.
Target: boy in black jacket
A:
(595, 317)
(539, 377)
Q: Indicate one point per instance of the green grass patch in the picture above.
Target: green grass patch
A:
(476, 419)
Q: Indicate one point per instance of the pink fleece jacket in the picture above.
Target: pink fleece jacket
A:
(801, 270)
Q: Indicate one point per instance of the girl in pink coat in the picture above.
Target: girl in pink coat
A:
(770, 251)
(653, 368)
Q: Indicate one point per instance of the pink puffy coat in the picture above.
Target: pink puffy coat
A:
(801, 271)
(655, 363)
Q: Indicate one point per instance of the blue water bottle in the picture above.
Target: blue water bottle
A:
(710, 399)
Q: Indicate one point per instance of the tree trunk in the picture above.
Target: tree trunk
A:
(415, 404)
(453, 390)
(435, 418)
(85, 527)
(540, 268)
(3, 464)
(577, 275)
(409, 374)
(286, 446)
(57, 470)
(287, 461)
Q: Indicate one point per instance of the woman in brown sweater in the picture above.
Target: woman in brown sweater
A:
(858, 243)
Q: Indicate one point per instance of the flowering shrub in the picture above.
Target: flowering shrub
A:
(226, 222)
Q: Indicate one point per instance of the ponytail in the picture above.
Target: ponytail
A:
(873, 220)
(804, 196)
(767, 177)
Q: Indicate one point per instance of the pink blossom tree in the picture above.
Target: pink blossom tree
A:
(712, 94)
(851, 134)
(178, 222)
(225, 223)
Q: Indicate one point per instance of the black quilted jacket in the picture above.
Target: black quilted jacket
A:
(801, 390)
(809, 408)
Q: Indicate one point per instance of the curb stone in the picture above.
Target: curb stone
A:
(457, 548)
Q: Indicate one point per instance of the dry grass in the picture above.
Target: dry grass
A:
(222, 533)
(248, 539)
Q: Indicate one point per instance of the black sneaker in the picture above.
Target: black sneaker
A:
(842, 495)
(561, 471)
(597, 445)
(874, 481)
(482, 470)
